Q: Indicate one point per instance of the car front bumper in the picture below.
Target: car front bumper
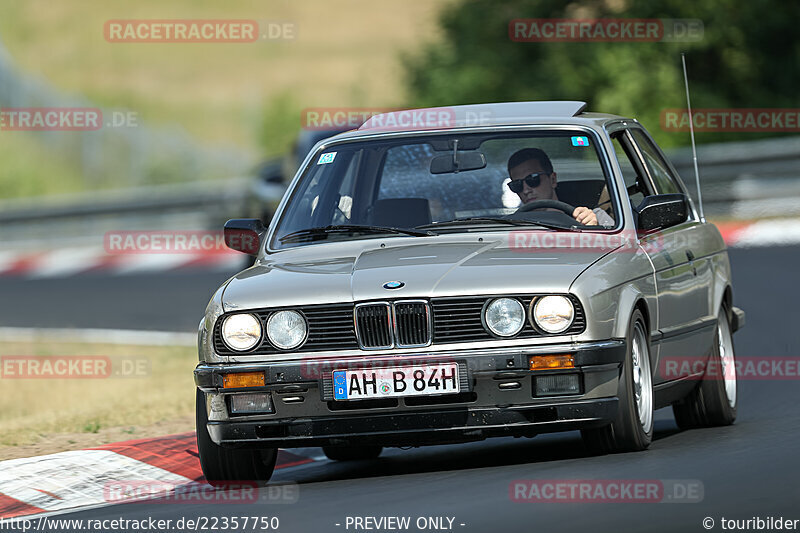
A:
(498, 398)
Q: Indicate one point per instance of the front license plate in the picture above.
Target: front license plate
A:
(418, 380)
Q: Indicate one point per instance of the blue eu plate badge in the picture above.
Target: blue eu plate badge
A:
(580, 141)
(339, 385)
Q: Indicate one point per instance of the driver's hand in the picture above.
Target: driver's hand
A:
(585, 216)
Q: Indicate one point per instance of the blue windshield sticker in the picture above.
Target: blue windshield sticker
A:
(580, 141)
(324, 159)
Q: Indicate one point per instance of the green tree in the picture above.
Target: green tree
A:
(748, 58)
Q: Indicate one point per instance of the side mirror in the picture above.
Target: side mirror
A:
(244, 235)
(662, 211)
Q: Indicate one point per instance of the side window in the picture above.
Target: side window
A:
(629, 173)
(321, 186)
(664, 182)
(343, 212)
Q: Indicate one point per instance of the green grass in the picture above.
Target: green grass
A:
(30, 408)
(30, 169)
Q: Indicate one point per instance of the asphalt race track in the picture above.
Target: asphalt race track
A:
(746, 470)
(166, 301)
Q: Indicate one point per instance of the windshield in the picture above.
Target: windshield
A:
(437, 183)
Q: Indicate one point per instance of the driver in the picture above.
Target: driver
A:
(532, 178)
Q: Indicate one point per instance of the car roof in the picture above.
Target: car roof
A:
(480, 115)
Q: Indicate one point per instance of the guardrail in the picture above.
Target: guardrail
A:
(83, 219)
(745, 180)
(739, 180)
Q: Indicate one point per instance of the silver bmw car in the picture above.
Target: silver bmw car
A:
(451, 274)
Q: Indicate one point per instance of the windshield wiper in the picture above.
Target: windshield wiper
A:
(498, 220)
(321, 232)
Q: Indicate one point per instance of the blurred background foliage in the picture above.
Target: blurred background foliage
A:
(243, 99)
(247, 99)
(748, 58)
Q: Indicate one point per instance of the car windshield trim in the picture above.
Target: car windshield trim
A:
(350, 228)
(595, 131)
(495, 220)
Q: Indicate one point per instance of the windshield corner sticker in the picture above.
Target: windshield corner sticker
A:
(580, 141)
(324, 159)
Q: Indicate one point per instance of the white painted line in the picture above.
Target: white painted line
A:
(135, 263)
(231, 262)
(7, 258)
(66, 261)
(99, 336)
(68, 480)
(769, 233)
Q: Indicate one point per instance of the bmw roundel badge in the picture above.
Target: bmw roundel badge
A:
(393, 285)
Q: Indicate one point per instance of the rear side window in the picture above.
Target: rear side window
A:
(664, 182)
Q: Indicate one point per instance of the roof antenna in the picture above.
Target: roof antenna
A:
(691, 132)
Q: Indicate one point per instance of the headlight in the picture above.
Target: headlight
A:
(241, 332)
(504, 317)
(286, 329)
(553, 314)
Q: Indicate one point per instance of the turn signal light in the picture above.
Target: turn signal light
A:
(243, 379)
(552, 362)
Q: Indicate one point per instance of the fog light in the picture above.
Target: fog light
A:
(558, 384)
(256, 402)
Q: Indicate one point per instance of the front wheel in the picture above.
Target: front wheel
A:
(713, 401)
(220, 464)
(632, 429)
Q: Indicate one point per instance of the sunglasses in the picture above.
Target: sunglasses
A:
(533, 181)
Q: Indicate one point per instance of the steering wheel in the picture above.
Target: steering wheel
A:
(544, 204)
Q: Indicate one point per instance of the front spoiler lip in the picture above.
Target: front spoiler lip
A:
(208, 377)
(418, 428)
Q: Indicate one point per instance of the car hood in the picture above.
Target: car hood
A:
(347, 272)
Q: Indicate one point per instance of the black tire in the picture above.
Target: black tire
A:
(221, 464)
(708, 404)
(352, 453)
(627, 433)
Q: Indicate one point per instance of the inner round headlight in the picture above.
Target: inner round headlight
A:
(286, 329)
(241, 332)
(553, 314)
(504, 317)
